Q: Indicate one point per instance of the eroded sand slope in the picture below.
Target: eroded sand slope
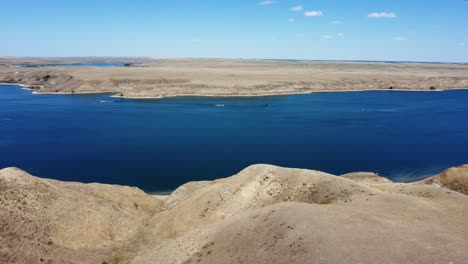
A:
(264, 214)
(56, 222)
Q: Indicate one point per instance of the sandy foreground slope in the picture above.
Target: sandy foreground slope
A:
(264, 214)
(156, 78)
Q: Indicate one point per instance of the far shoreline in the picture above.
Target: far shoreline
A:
(116, 94)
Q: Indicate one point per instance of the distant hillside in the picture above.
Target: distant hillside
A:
(159, 78)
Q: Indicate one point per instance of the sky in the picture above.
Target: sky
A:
(384, 30)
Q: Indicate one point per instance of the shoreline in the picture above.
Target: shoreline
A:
(116, 94)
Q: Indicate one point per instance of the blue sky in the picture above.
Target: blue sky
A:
(416, 30)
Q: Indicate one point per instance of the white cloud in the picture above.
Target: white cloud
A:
(382, 15)
(338, 35)
(313, 13)
(337, 22)
(400, 38)
(267, 2)
(291, 20)
(297, 8)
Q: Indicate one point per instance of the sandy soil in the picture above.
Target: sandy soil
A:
(157, 78)
(264, 214)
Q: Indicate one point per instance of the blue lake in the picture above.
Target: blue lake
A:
(95, 64)
(158, 145)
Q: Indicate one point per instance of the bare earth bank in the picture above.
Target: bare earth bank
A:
(157, 78)
(264, 214)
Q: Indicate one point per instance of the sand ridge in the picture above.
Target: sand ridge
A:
(264, 214)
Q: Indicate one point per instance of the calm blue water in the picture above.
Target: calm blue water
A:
(96, 64)
(160, 144)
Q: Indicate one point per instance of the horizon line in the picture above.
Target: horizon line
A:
(219, 58)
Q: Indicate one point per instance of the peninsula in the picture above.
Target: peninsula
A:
(158, 78)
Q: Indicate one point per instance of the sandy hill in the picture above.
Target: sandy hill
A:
(56, 222)
(264, 214)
